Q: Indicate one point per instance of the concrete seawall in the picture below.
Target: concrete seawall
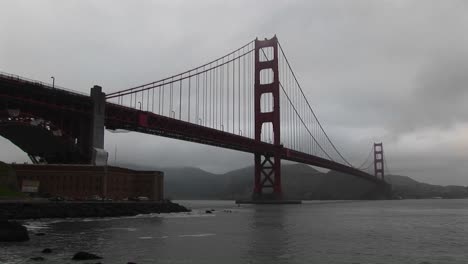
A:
(35, 210)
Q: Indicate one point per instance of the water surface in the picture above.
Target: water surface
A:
(405, 231)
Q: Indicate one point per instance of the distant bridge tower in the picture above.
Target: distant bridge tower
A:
(267, 165)
(379, 161)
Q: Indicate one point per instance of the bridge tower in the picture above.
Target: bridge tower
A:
(379, 161)
(267, 165)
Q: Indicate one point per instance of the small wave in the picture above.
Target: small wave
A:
(130, 229)
(146, 237)
(198, 235)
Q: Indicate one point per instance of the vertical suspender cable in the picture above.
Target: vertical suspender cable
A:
(197, 100)
(221, 99)
(228, 83)
(244, 78)
(239, 95)
(233, 95)
(180, 98)
(188, 108)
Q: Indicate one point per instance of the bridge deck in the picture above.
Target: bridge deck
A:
(42, 98)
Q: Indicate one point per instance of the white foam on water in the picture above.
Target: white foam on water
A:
(147, 237)
(195, 213)
(45, 222)
(36, 225)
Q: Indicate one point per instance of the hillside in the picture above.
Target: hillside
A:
(299, 182)
(408, 188)
(302, 182)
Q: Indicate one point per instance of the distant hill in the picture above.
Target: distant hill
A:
(408, 188)
(188, 182)
(299, 182)
(302, 182)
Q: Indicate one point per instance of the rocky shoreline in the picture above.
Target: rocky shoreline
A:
(34, 210)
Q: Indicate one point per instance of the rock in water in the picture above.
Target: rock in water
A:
(47, 251)
(12, 232)
(85, 256)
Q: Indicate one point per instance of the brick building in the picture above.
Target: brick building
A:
(83, 181)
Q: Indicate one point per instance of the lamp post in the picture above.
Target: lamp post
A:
(53, 81)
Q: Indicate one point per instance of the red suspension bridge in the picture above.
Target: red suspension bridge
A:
(249, 100)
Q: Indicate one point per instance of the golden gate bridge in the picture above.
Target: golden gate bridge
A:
(248, 100)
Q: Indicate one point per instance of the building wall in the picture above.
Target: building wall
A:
(83, 181)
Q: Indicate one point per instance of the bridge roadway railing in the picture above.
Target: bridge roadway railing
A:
(22, 79)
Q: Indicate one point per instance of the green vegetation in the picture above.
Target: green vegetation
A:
(8, 187)
(6, 192)
(4, 169)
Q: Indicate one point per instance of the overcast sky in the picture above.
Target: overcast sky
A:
(392, 71)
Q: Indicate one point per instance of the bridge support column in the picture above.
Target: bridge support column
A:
(267, 165)
(97, 123)
(267, 175)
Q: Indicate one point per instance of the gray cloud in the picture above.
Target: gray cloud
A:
(392, 71)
